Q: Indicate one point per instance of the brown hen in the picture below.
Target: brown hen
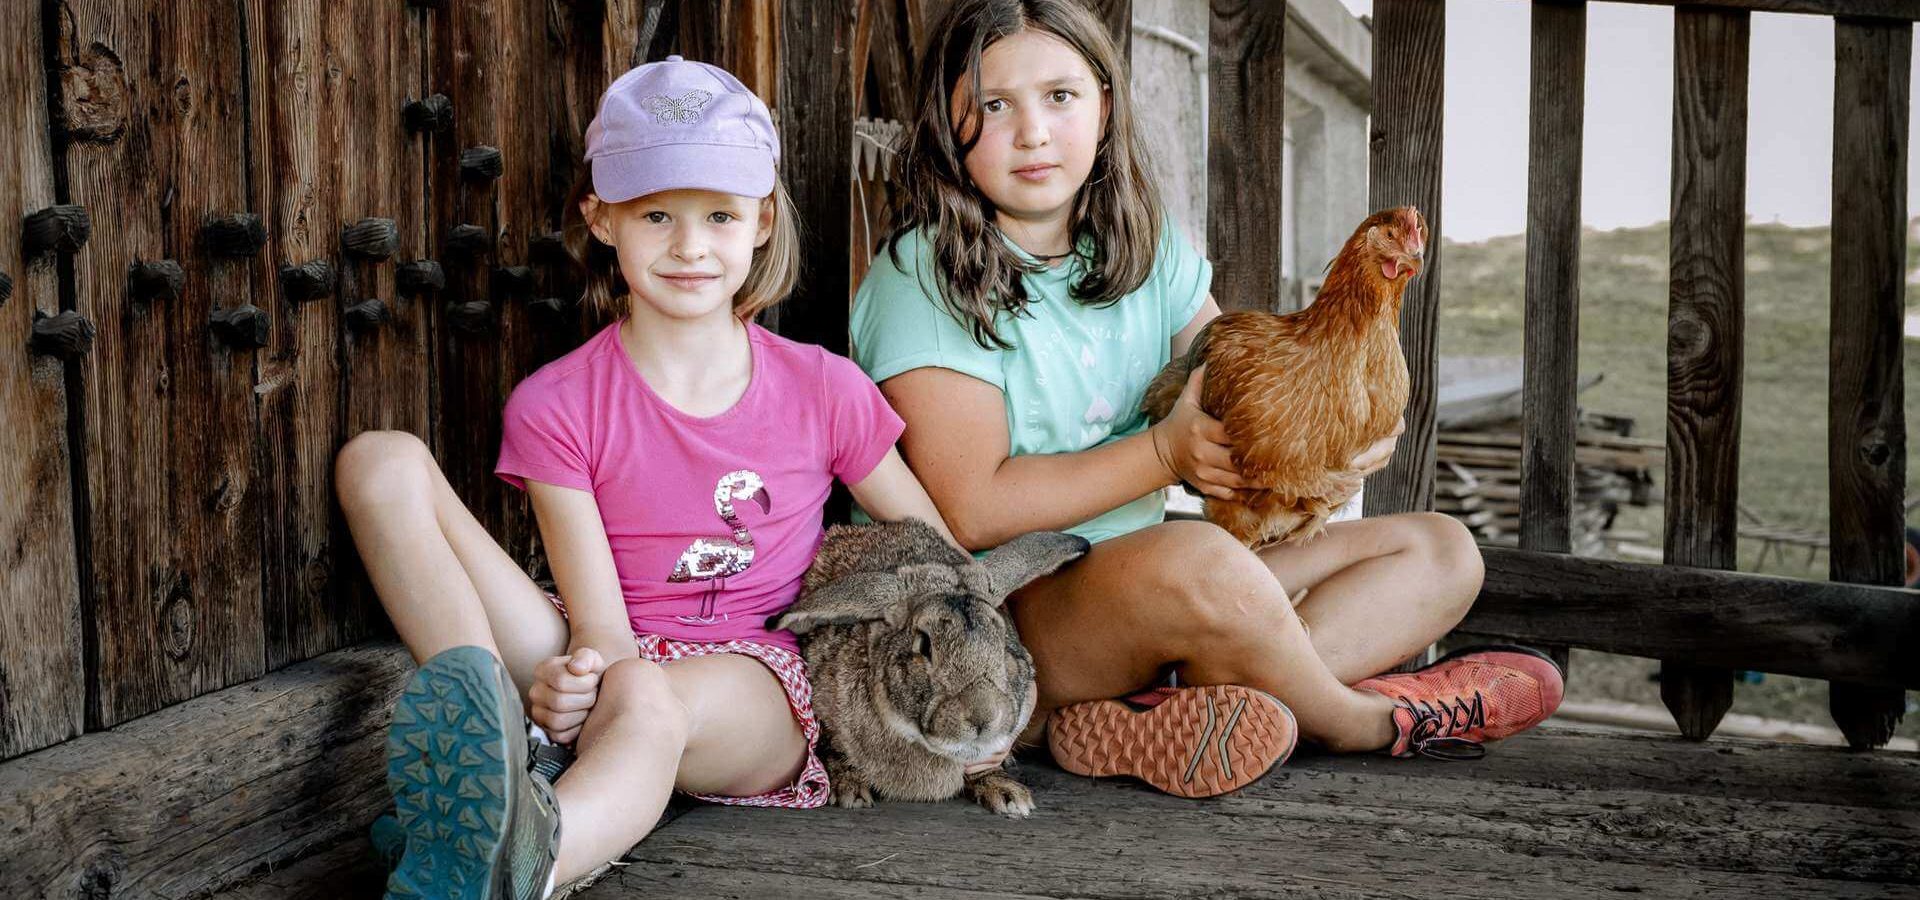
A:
(1302, 394)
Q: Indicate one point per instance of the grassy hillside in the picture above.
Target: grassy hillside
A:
(1623, 314)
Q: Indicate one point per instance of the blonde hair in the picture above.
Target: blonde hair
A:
(770, 278)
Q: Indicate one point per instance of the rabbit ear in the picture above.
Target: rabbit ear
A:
(848, 600)
(1015, 563)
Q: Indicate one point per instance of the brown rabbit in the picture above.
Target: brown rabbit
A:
(915, 670)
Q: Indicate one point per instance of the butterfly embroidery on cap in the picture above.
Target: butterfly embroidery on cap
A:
(681, 110)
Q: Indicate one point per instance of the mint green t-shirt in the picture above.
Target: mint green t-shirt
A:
(1076, 374)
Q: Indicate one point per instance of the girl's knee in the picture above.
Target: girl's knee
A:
(379, 465)
(1449, 554)
(1219, 587)
(640, 688)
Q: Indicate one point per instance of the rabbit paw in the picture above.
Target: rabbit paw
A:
(999, 792)
(851, 793)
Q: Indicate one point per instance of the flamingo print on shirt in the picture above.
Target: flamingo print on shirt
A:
(714, 559)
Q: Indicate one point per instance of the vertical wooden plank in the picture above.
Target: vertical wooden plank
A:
(42, 686)
(468, 357)
(816, 131)
(1705, 324)
(1246, 120)
(1552, 329)
(1866, 426)
(1409, 60)
(170, 428)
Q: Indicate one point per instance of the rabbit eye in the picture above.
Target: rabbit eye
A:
(922, 645)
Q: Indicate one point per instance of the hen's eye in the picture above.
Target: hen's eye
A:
(922, 645)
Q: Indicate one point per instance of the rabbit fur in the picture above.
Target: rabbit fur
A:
(916, 671)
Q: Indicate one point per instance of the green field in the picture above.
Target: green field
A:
(1623, 316)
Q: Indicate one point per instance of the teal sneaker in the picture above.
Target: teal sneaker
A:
(477, 824)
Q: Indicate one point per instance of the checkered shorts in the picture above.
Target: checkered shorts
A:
(810, 789)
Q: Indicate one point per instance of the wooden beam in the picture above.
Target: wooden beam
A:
(1409, 61)
(1716, 618)
(1705, 325)
(1866, 422)
(1246, 122)
(197, 796)
(1897, 10)
(1550, 380)
(42, 683)
(816, 130)
(175, 483)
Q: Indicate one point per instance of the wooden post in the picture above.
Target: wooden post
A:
(1409, 59)
(1552, 340)
(1246, 120)
(1866, 423)
(42, 683)
(1705, 324)
(816, 128)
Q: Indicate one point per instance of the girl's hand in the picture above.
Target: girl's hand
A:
(988, 764)
(564, 691)
(1193, 445)
(1376, 457)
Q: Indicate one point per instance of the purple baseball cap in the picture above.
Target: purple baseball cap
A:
(674, 125)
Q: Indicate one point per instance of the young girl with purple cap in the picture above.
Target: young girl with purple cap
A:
(678, 463)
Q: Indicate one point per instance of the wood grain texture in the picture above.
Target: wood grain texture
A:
(1708, 616)
(174, 486)
(816, 131)
(1551, 341)
(1866, 423)
(1705, 324)
(1409, 60)
(1899, 10)
(207, 792)
(42, 682)
(1246, 122)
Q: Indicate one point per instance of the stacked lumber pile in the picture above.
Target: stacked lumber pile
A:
(1477, 480)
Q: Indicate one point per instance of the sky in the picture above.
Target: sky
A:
(1629, 122)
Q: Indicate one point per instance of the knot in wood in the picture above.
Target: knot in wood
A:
(434, 114)
(371, 238)
(242, 327)
(154, 280)
(6, 288)
(550, 307)
(1689, 337)
(56, 229)
(306, 282)
(512, 282)
(239, 234)
(367, 315)
(93, 96)
(548, 248)
(481, 163)
(468, 240)
(422, 276)
(1875, 449)
(66, 335)
(176, 621)
(471, 317)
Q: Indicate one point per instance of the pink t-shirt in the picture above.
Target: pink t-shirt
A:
(712, 520)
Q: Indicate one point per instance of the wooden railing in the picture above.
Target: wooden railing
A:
(1699, 618)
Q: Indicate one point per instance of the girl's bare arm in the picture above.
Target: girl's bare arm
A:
(890, 493)
(583, 573)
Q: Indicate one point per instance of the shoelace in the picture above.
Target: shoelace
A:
(1435, 728)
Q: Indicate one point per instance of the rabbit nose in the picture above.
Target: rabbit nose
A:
(981, 720)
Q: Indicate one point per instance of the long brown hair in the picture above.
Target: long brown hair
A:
(1116, 218)
(770, 277)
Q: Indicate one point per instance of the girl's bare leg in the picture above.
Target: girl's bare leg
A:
(708, 725)
(1381, 589)
(442, 579)
(1185, 594)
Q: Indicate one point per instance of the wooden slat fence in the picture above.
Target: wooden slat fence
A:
(1700, 618)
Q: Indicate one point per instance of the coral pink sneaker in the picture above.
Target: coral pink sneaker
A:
(1469, 696)
(1186, 741)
